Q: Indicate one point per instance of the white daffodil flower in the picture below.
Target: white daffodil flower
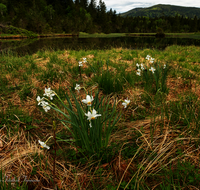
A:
(88, 100)
(137, 65)
(152, 60)
(142, 66)
(126, 103)
(40, 100)
(152, 70)
(148, 57)
(77, 87)
(80, 64)
(92, 115)
(49, 93)
(164, 66)
(45, 106)
(138, 72)
(43, 145)
(84, 60)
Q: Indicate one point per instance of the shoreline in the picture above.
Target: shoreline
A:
(38, 36)
(178, 35)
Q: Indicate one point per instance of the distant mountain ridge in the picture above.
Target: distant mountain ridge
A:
(163, 10)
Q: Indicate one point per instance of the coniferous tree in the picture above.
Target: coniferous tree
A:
(44, 16)
(92, 8)
(3, 9)
(84, 4)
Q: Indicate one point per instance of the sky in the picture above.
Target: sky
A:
(122, 6)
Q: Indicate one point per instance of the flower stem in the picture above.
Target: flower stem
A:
(54, 158)
(48, 139)
(80, 71)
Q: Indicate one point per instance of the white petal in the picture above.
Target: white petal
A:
(88, 98)
(138, 73)
(94, 112)
(84, 101)
(89, 115)
(124, 104)
(97, 115)
(127, 101)
(38, 98)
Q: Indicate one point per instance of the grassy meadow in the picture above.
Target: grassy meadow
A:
(144, 135)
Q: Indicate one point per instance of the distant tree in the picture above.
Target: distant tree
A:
(101, 17)
(160, 33)
(3, 9)
(92, 8)
(195, 23)
(176, 23)
(102, 7)
(49, 12)
(77, 2)
(84, 4)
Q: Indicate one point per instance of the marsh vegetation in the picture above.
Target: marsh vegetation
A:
(143, 135)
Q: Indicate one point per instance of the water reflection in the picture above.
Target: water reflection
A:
(30, 46)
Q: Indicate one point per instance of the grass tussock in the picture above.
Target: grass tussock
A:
(150, 142)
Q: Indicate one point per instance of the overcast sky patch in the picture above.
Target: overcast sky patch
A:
(126, 5)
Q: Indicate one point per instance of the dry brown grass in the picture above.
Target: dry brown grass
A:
(160, 150)
(18, 159)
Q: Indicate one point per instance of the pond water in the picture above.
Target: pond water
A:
(31, 46)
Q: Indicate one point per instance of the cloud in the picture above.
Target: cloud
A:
(126, 5)
(120, 8)
(123, 6)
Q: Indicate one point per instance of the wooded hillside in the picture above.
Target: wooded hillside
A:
(68, 16)
(164, 10)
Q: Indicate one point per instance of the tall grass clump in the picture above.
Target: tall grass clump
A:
(50, 76)
(126, 76)
(3, 83)
(109, 82)
(25, 92)
(154, 75)
(90, 125)
(185, 112)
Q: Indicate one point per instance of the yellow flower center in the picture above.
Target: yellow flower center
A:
(42, 147)
(92, 118)
(89, 103)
